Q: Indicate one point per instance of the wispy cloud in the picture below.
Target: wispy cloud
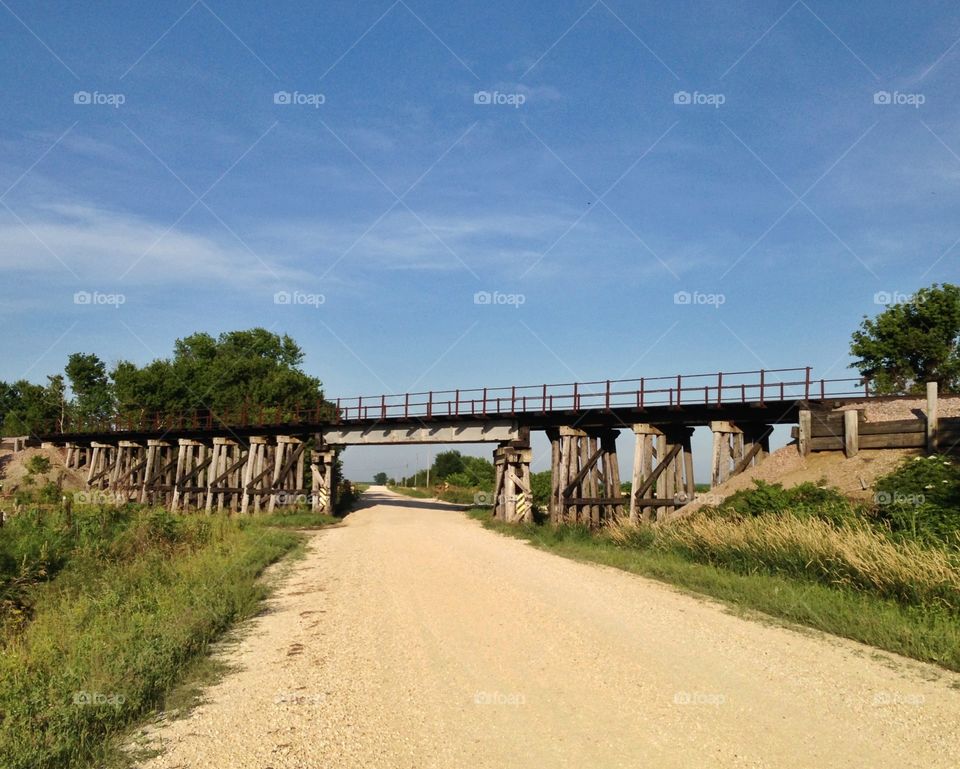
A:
(99, 244)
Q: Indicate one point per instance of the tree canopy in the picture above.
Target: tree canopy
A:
(911, 343)
(253, 368)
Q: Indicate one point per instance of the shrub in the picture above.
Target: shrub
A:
(921, 499)
(540, 486)
(806, 500)
(38, 464)
(459, 479)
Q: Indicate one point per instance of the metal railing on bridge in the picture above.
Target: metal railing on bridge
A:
(723, 388)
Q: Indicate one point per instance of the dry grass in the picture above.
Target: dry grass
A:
(851, 555)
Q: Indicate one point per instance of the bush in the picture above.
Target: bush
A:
(921, 499)
(459, 479)
(806, 500)
(540, 486)
(38, 465)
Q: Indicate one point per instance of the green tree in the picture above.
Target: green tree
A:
(56, 398)
(27, 408)
(911, 343)
(93, 394)
(540, 486)
(446, 463)
(380, 479)
(239, 369)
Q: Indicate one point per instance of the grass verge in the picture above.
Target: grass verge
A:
(454, 495)
(925, 631)
(103, 613)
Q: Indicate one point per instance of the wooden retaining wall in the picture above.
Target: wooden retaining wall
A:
(848, 431)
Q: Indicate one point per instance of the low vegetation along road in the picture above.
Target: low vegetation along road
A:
(412, 637)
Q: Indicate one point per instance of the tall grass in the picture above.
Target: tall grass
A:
(103, 612)
(852, 555)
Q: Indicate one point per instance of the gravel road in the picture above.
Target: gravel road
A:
(412, 637)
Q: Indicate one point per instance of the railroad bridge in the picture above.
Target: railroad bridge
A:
(249, 461)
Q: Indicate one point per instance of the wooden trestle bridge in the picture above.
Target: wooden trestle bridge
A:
(256, 459)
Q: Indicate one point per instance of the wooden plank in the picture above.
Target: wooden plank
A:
(932, 417)
(851, 435)
(636, 478)
(806, 436)
(892, 426)
(889, 441)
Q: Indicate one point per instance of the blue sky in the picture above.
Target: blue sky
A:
(815, 166)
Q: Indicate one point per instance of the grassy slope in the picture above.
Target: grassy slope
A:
(119, 604)
(924, 633)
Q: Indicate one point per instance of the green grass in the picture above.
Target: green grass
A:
(412, 491)
(116, 605)
(924, 632)
(297, 519)
(454, 495)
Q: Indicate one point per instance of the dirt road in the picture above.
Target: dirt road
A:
(412, 637)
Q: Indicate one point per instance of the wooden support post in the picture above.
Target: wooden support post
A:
(148, 472)
(223, 478)
(151, 472)
(285, 484)
(102, 464)
(250, 471)
(565, 472)
(552, 507)
(727, 451)
(322, 494)
(691, 486)
(181, 465)
(805, 434)
(643, 461)
(127, 472)
(933, 418)
(851, 433)
(513, 502)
